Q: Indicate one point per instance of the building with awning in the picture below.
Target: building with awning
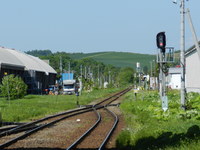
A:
(36, 73)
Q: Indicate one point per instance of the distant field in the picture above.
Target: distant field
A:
(118, 59)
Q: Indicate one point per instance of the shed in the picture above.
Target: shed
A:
(36, 73)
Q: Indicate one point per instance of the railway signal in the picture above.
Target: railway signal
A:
(161, 41)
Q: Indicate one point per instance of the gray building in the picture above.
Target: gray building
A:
(192, 70)
(36, 73)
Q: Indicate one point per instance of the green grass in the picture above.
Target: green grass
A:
(117, 59)
(36, 106)
(148, 127)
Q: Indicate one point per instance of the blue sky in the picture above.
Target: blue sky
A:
(93, 25)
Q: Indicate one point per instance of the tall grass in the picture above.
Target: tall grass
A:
(149, 127)
(36, 106)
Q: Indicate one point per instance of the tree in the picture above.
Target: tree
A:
(39, 53)
(91, 70)
(125, 76)
(145, 69)
(13, 87)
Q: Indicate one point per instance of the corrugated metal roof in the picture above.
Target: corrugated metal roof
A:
(15, 57)
(8, 58)
(46, 67)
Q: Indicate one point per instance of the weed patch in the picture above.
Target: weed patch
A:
(149, 127)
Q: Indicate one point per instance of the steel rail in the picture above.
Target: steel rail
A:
(111, 130)
(117, 95)
(87, 132)
(93, 128)
(12, 141)
(98, 106)
(16, 129)
(87, 109)
(20, 127)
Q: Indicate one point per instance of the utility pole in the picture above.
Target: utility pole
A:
(85, 72)
(81, 79)
(182, 54)
(5, 73)
(69, 69)
(89, 72)
(61, 70)
(81, 68)
(154, 68)
(109, 77)
(138, 72)
(98, 77)
(151, 68)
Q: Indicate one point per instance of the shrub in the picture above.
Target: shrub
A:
(123, 141)
(13, 87)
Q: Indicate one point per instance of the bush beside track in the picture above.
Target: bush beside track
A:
(148, 127)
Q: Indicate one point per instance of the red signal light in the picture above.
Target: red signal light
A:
(161, 41)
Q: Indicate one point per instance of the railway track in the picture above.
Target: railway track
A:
(94, 138)
(40, 121)
(25, 130)
(25, 127)
(53, 120)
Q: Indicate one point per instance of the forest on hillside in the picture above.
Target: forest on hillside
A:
(91, 70)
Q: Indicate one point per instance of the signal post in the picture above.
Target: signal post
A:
(163, 58)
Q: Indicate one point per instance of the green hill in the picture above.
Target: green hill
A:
(118, 59)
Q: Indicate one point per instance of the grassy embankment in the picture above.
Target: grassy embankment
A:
(148, 127)
(37, 106)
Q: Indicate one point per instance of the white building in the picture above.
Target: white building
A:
(174, 78)
(192, 70)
